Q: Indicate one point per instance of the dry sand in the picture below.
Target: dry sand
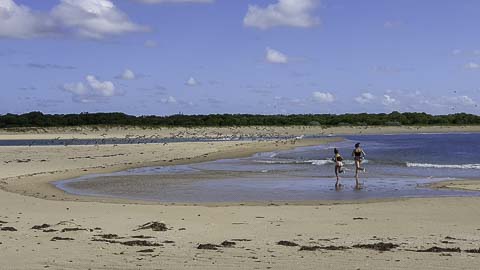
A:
(94, 132)
(86, 229)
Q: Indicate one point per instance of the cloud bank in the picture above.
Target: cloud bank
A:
(95, 19)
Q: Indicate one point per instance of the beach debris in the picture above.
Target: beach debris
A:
(40, 227)
(328, 239)
(168, 242)
(313, 248)
(241, 240)
(149, 250)
(287, 243)
(335, 248)
(73, 229)
(109, 236)
(309, 248)
(8, 229)
(142, 237)
(227, 243)
(153, 225)
(3, 222)
(208, 246)
(380, 246)
(57, 238)
(141, 243)
(359, 218)
(439, 249)
(50, 230)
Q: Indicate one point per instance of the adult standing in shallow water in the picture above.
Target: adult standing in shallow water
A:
(358, 155)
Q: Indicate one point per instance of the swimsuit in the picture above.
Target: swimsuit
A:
(358, 154)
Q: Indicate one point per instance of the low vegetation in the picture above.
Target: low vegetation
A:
(38, 119)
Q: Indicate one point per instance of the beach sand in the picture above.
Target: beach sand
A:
(473, 185)
(101, 233)
(101, 132)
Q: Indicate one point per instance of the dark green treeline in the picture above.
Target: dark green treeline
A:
(38, 119)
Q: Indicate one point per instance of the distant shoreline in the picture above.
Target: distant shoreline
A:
(117, 132)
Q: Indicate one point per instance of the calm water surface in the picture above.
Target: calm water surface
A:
(397, 166)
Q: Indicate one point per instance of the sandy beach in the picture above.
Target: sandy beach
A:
(41, 227)
(102, 132)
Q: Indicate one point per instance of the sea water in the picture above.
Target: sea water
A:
(396, 166)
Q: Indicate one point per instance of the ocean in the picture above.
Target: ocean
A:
(397, 166)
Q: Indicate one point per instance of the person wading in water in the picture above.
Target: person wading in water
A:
(358, 155)
(338, 166)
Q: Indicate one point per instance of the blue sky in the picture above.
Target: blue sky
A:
(230, 56)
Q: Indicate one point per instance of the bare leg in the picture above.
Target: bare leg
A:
(357, 168)
(337, 169)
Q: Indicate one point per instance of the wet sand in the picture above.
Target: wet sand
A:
(74, 232)
(470, 185)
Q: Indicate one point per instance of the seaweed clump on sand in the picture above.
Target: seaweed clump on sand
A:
(287, 243)
(208, 246)
(109, 236)
(228, 243)
(309, 248)
(440, 249)
(40, 227)
(8, 229)
(380, 246)
(154, 226)
(313, 248)
(57, 238)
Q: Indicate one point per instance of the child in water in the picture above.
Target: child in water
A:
(338, 166)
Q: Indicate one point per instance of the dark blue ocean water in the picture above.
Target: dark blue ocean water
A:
(397, 166)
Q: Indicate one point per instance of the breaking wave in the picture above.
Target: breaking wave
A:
(444, 166)
(317, 162)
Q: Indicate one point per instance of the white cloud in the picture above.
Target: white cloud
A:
(169, 100)
(191, 82)
(128, 75)
(150, 44)
(92, 90)
(458, 100)
(456, 51)
(78, 89)
(106, 88)
(392, 24)
(18, 21)
(296, 13)
(388, 100)
(323, 97)
(365, 98)
(276, 57)
(174, 1)
(95, 19)
(472, 65)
